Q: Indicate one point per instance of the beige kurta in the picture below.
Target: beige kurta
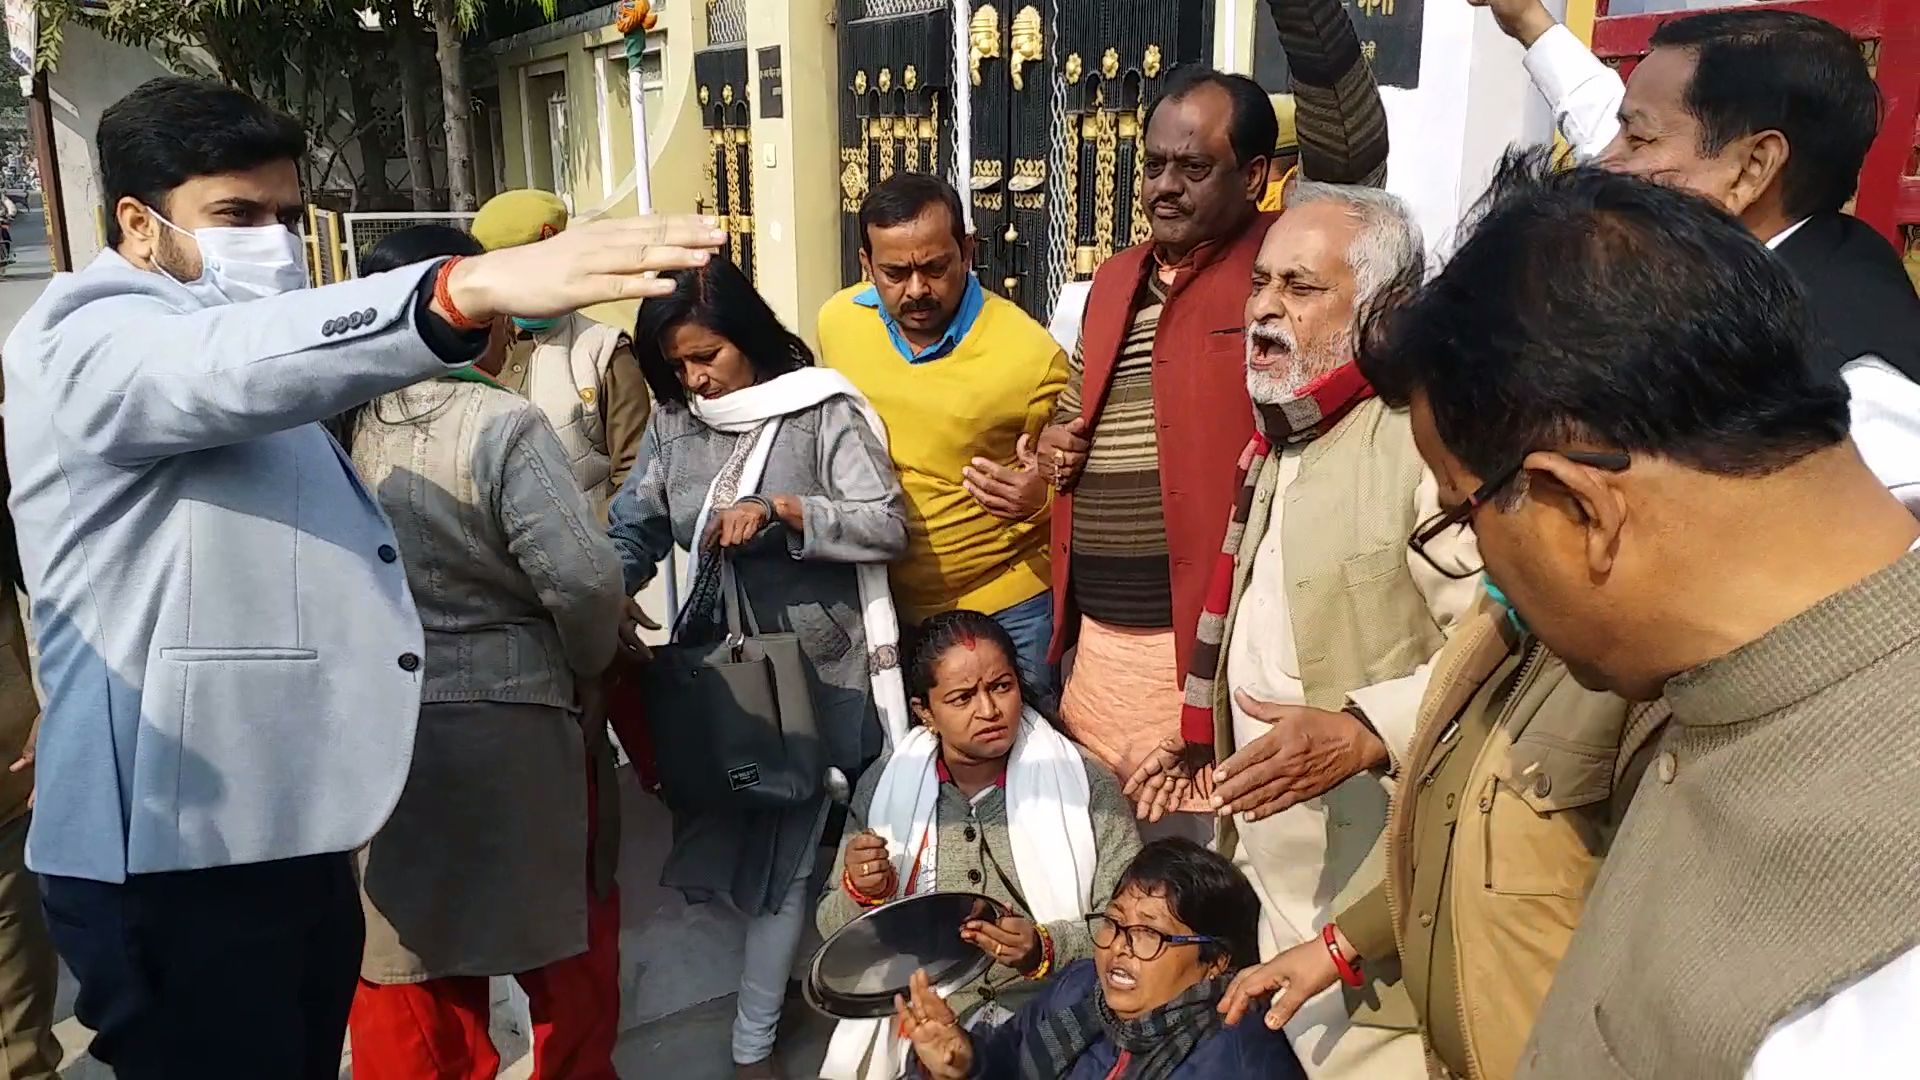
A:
(492, 826)
(482, 869)
(1300, 860)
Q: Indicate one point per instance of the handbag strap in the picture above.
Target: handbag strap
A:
(742, 623)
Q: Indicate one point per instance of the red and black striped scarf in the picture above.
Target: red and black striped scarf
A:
(1321, 405)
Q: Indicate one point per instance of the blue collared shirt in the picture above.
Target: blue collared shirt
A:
(971, 303)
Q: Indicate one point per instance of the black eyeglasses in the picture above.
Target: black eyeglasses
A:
(1450, 561)
(1144, 942)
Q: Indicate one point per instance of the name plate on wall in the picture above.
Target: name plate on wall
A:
(773, 94)
(1390, 33)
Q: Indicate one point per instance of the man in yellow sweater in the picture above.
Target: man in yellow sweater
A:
(965, 381)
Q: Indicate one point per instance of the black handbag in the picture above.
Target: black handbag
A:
(733, 720)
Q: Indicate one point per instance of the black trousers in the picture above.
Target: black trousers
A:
(245, 972)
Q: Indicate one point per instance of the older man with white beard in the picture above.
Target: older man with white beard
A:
(1321, 624)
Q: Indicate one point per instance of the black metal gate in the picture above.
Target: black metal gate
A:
(1056, 92)
(1117, 59)
(896, 102)
(1010, 70)
(1060, 90)
(721, 72)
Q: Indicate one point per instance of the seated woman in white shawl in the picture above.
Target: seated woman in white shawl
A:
(983, 796)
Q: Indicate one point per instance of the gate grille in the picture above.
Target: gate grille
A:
(896, 102)
(365, 230)
(726, 22)
(882, 9)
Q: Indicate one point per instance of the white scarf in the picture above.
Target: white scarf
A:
(757, 411)
(1049, 825)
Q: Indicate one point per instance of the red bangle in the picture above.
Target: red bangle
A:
(1046, 954)
(858, 897)
(1349, 972)
(444, 297)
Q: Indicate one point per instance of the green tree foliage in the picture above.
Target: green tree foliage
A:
(326, 62)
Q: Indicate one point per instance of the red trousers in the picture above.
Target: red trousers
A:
(437, 1030)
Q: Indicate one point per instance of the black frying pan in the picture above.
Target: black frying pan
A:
(856, 974)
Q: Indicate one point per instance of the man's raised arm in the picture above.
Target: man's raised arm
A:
(135, 380)
(1341, 119)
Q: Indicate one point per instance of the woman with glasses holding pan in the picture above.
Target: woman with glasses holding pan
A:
(982, 796)
(1147, 1006)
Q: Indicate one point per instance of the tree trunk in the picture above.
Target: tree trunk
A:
(457, 106)
(413, 101)
(375, 188)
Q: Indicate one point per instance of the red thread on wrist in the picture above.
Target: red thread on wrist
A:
(1349, 971)
(444, 297)
(854, 893)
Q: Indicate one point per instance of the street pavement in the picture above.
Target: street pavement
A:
(22, 282)
(672, 953)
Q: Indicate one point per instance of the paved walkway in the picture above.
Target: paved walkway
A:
(21, 284)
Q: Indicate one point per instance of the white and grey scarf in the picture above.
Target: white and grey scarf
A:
(755, 413)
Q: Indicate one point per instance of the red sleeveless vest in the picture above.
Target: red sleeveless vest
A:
(1200, 405)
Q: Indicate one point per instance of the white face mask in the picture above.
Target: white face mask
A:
(240, 264)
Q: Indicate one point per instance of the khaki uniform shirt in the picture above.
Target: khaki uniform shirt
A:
(625, 404)
(1509, 804)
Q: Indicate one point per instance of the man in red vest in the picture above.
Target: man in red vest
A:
(1156, 412)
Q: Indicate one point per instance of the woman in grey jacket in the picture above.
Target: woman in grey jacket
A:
(484, 867)
(802, 516)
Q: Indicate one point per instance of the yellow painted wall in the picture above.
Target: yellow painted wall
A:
(1580, 18)
(676, 143)
(796, 162)
(510, 145)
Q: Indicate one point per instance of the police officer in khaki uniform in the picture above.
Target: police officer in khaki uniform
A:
(579, 372)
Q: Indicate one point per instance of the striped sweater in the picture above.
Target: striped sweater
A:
(1341, 119)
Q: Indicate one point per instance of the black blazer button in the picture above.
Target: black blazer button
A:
(330, 328)
(409, 662)
(355, 322)
(367, 317)
(970, 834)
(387, 554)
(973, 877)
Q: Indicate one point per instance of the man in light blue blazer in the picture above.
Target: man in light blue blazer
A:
(228, 649)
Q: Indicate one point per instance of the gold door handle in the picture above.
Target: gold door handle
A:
(1027, 46)
(983, 40)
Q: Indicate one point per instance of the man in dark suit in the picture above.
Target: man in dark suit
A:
(1770, 114)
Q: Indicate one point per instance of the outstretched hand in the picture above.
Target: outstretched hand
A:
(1176, 772)
(926, 1020)
(1305, 753)
(596, 262)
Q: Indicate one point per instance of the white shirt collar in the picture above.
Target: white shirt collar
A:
(1783, 235)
